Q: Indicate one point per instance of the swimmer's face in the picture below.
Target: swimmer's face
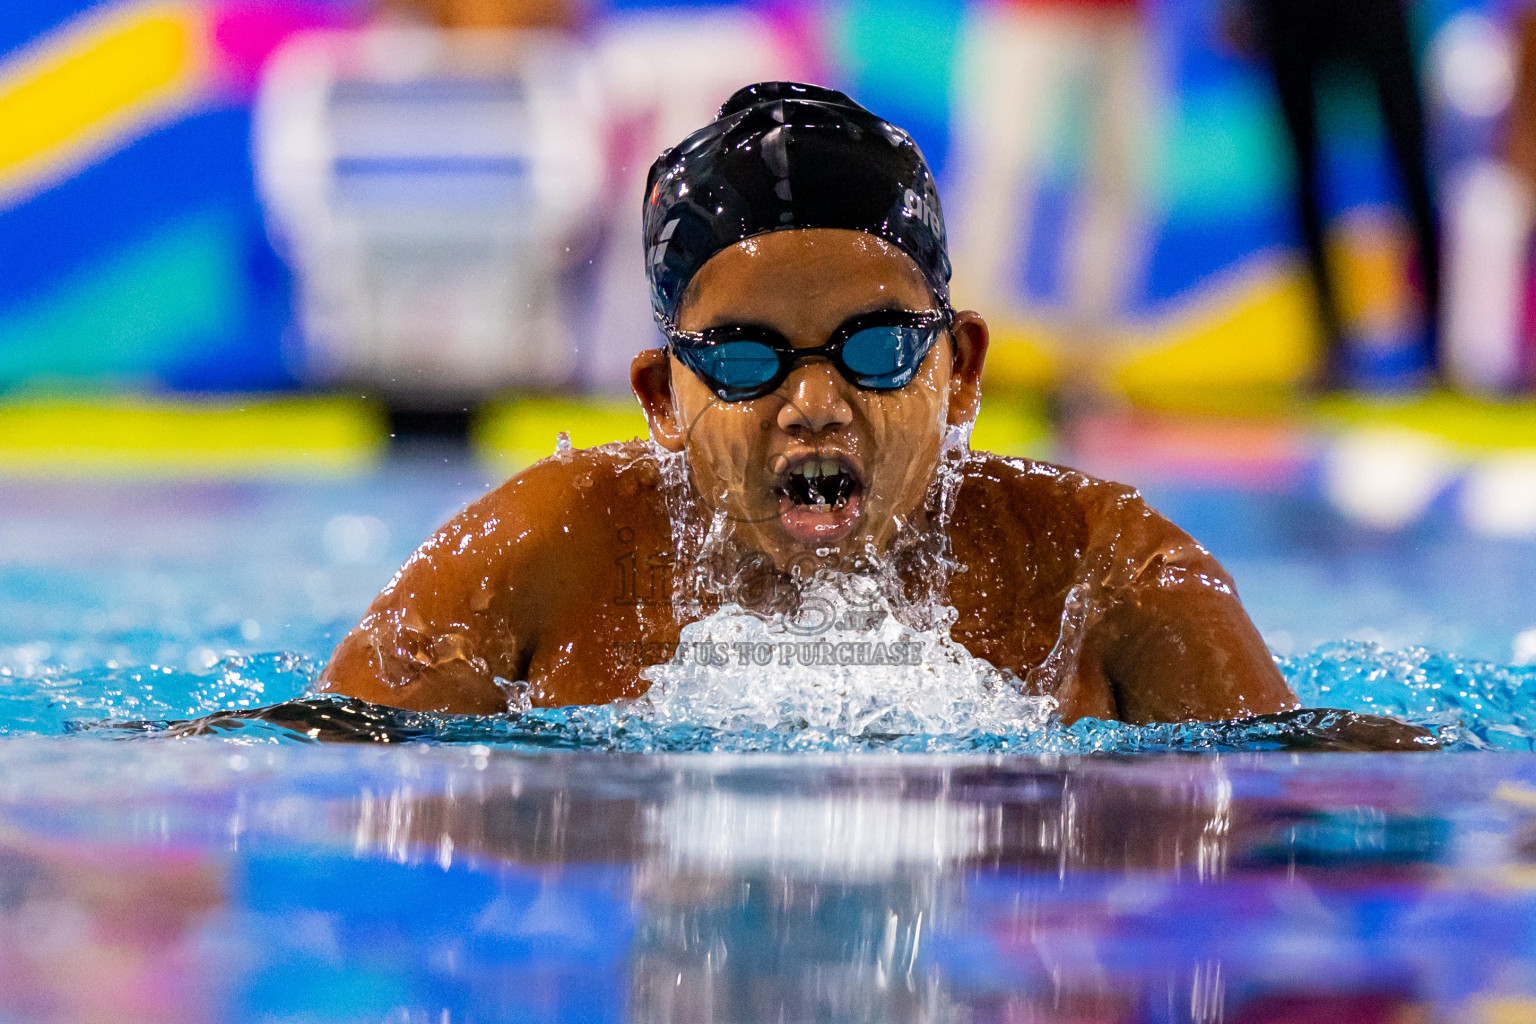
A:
(764, 462)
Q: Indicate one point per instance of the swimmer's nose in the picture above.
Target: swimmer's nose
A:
(814, 400)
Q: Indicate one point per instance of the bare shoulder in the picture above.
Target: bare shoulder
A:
(557, 499)
(476, 598)
(540, 523)
(1044, 495)
(1046, 480)
(550, 527)
(572, 477)
(1162, 636)
(1066, 523)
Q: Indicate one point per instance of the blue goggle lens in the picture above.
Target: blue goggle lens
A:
(886, 357)
(738, 364)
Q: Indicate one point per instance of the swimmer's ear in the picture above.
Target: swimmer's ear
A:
(650, 375)
(970, 335)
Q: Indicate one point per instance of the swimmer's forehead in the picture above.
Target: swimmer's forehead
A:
(799, 278)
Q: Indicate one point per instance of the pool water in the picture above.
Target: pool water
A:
(133, 602)
(204, 880)
(577, 865)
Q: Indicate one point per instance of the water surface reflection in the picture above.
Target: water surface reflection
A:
(428, 882)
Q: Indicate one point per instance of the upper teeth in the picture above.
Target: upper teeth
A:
(813, 469)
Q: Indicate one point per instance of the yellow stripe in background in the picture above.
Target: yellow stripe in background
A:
(92, 83)
(224, 437)
(512, 435)
(262, 436)
(1469, 425)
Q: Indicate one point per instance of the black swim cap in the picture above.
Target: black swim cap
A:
(784, 155)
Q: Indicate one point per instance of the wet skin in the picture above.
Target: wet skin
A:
(560, 577)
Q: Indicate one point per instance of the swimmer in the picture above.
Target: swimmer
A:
(811, 374)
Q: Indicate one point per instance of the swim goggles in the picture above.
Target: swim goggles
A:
(879, 351)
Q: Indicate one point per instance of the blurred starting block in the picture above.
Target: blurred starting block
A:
(429, 188)
(461, 209)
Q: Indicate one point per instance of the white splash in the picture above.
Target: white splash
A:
(842, 664)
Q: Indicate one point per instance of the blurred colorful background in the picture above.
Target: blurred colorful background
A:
(285, 284)
(266, 235)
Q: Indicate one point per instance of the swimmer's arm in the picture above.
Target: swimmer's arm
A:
(1181, 648)
(448, 626)
(1177, 646)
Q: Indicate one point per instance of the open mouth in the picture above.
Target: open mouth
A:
(819, 498)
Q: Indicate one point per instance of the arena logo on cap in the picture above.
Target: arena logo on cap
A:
(914, 205)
